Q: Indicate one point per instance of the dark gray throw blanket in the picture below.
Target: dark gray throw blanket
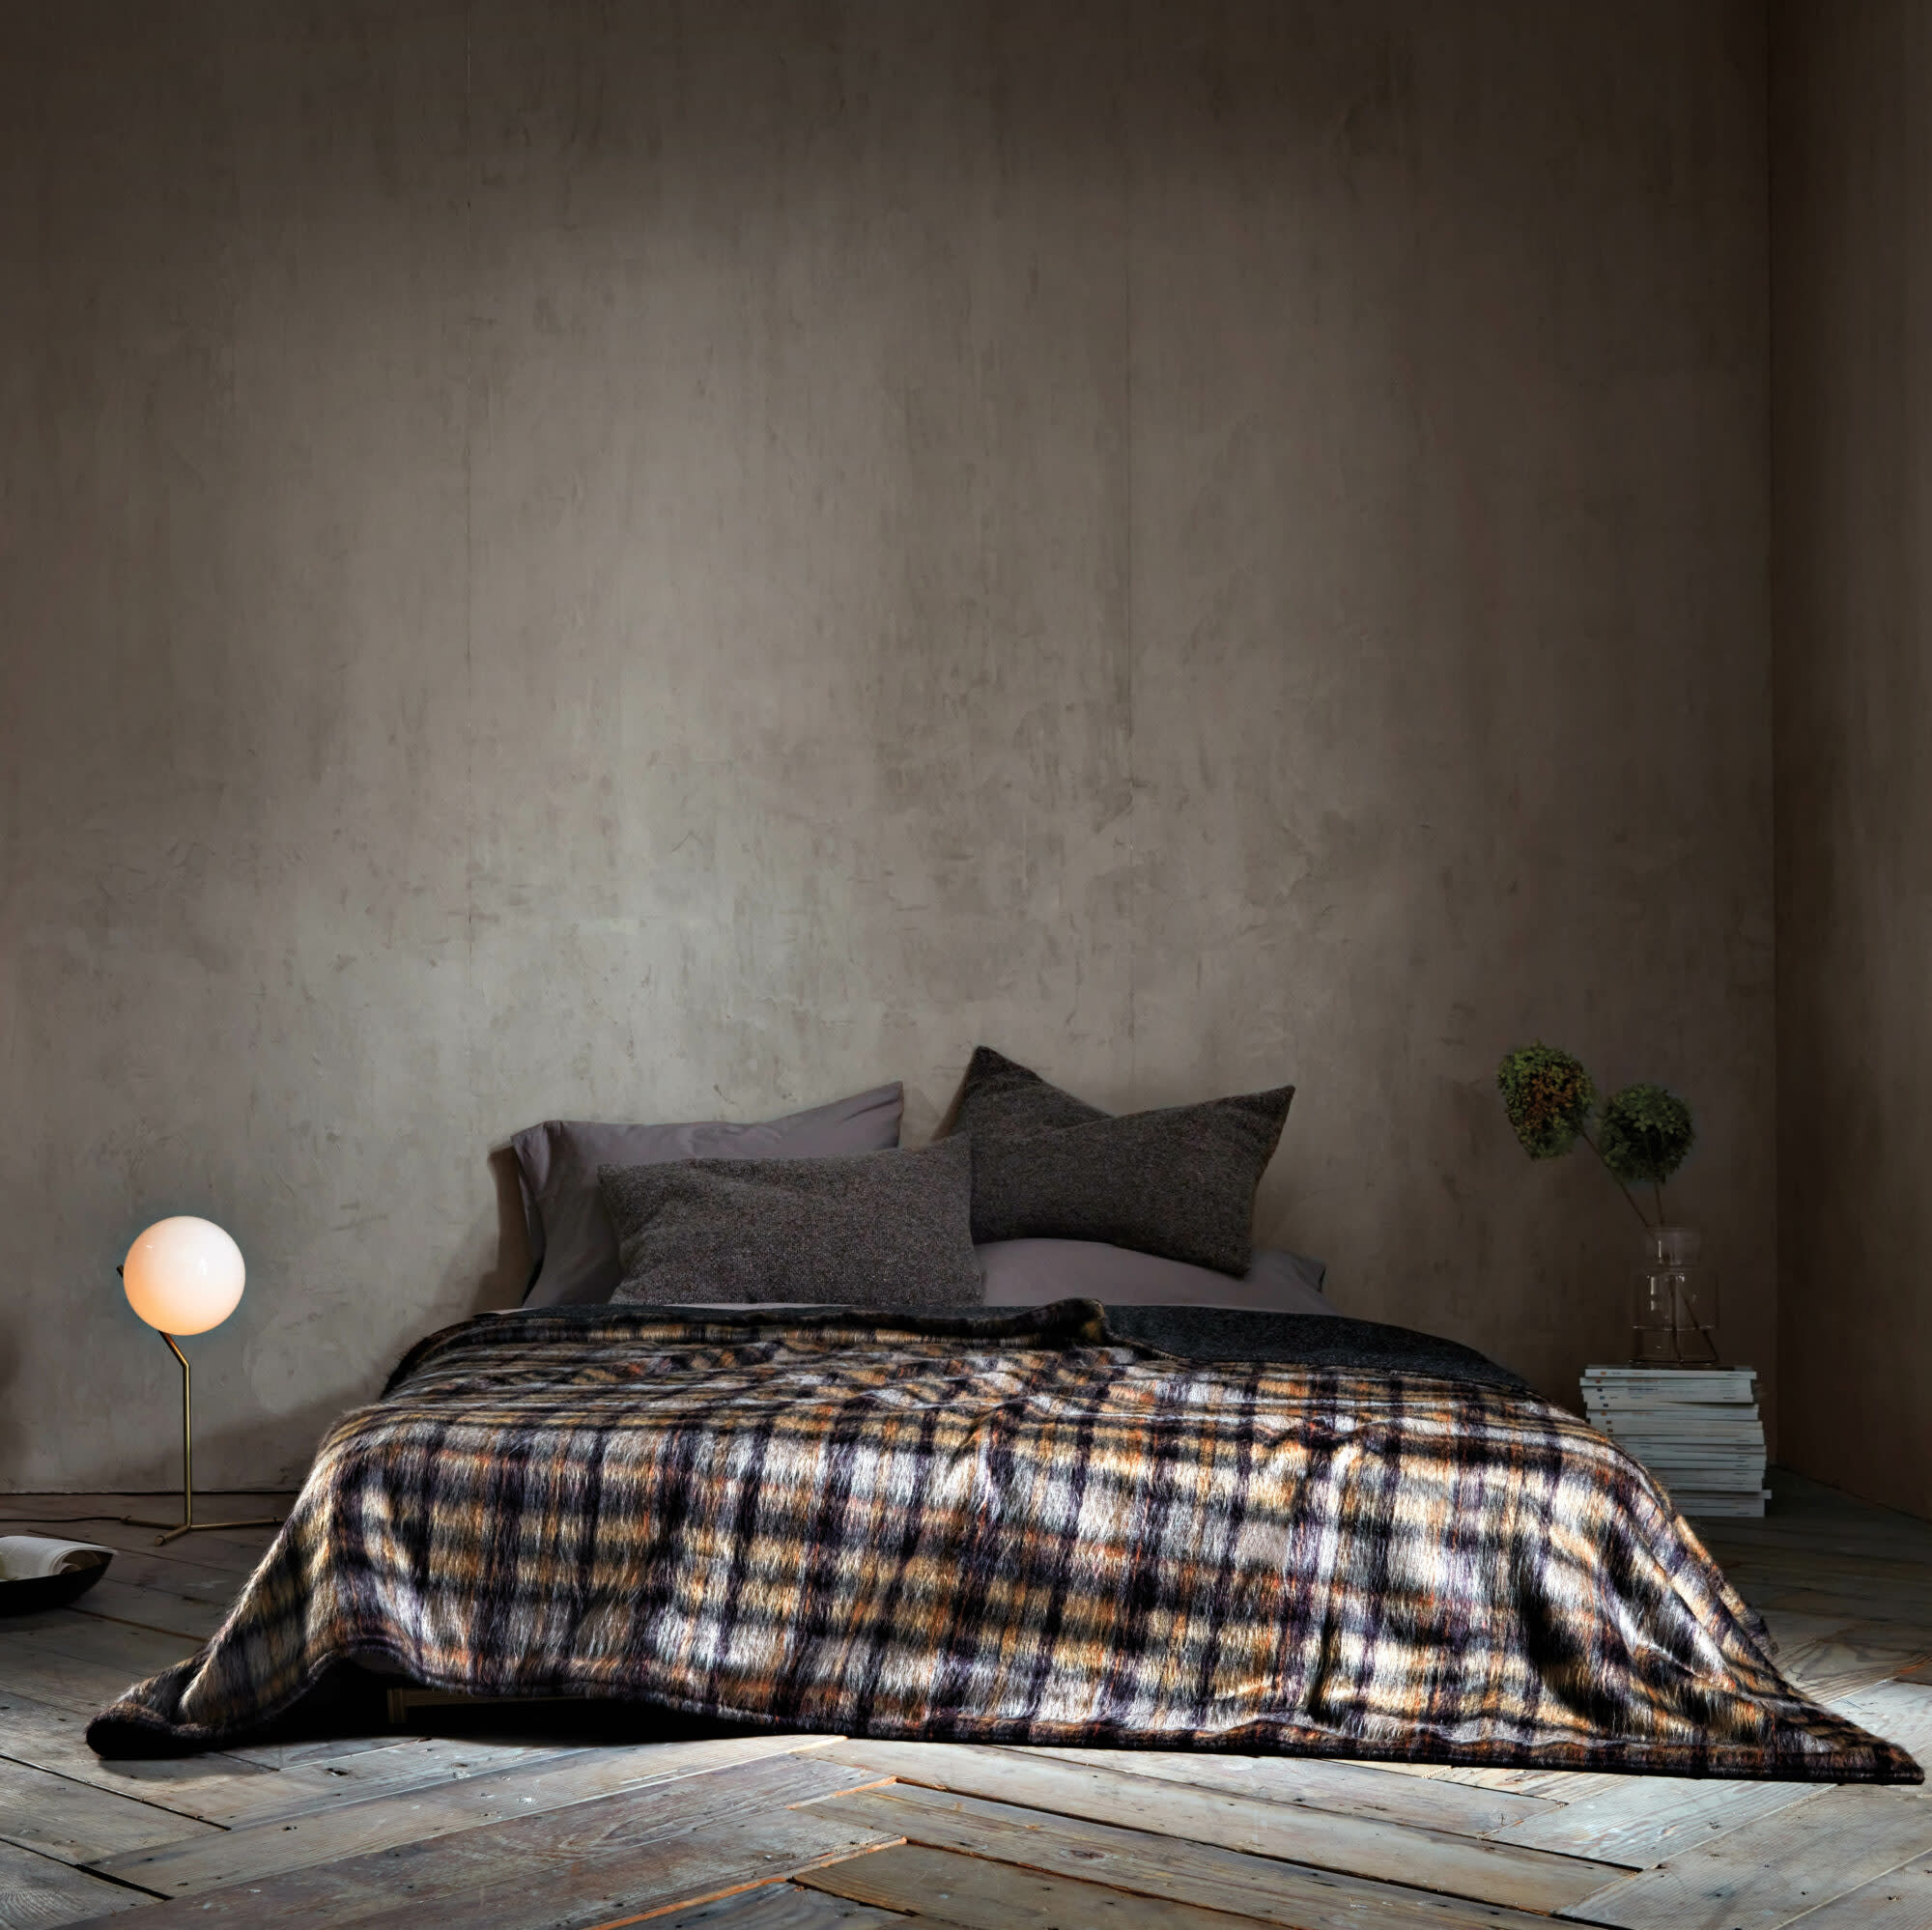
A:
(1305, 1340)
(1009, 1528)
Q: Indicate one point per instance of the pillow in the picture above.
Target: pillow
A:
(879, 1228)
(1178, 1182)
(573, 1251)
(1037, 1272)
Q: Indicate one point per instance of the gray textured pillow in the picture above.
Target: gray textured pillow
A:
(881, 1229)
(573, 1250)
(1037, 1272)
(1178, 1182)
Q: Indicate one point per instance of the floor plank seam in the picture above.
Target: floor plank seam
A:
(99, 1876)
(1038, 1828)
(146, 1627)
(1454, 1907)
(811, 1868)
(126, 1795)
(1426, 1838)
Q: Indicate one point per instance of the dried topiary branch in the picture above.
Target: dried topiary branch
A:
(1548, 1095)
(1643, 1135)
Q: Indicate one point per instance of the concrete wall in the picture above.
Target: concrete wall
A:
(1852, 214)
(667, 561)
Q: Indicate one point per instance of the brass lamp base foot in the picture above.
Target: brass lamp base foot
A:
(176, 1529)
(187, 1524)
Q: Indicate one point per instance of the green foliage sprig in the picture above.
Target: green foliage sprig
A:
(1643, 1133)
(1548, 1095)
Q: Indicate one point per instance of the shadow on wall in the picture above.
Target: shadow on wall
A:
(504, 1283)
(258, 1446)
(250, 1446)
(12, 1440)
(254, 1452)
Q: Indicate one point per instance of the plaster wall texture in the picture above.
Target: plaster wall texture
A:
(658, 562)
(1852, 409)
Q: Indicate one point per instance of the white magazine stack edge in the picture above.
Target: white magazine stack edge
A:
(1697, 1428)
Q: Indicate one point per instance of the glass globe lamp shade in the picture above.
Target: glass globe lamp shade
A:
(183, 1275)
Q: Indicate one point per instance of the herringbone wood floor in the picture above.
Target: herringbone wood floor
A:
(519, 1819)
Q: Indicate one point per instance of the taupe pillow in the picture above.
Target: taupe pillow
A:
(878, 1230)
(573, 1249)
(1179, 1181)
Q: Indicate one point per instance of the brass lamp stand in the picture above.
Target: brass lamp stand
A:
(187, 1524)
(183, 1276)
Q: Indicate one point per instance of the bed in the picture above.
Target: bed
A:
(1032, 1527)
(1186, 1505)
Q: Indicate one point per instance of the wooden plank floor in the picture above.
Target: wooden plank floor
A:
(533, 1820)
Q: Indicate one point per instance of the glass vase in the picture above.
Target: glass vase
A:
(1673, 1302)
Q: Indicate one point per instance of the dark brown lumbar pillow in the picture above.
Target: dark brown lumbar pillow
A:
(1178, 1182)
(877, 1229)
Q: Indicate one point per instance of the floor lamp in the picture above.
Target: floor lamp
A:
(184, 1276)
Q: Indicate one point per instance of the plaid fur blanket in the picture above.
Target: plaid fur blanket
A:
(1009, 1528)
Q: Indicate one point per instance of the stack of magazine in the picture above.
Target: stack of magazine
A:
(1695, 1428)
